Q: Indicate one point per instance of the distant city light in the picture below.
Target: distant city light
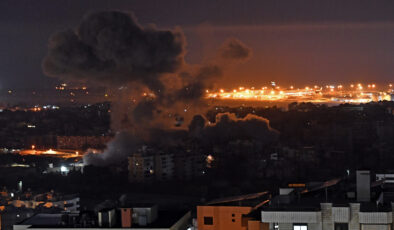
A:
(316, 94)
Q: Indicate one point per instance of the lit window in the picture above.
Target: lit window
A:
(208, 220)
(300, 227)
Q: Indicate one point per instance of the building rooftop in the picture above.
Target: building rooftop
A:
(166, 219)
(43, 219)
(340, 192)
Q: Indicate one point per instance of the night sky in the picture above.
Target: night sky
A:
(293, 42)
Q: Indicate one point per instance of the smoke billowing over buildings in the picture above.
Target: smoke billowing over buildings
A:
(221, 115)
(154, 88)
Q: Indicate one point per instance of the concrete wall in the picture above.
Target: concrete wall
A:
(354, 211)
(285, 226)
(327, 217)
(289, 226)
(290, 217)
(315, 226)
(375, 217)
(341, 214)
(21, 227)
(375, 227)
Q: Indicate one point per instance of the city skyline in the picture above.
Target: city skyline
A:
(196, 115)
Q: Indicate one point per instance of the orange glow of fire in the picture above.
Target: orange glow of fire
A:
(50, 151)
(53, 153)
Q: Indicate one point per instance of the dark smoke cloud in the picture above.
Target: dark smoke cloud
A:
(230, 128)
(197, 123)
(235, 50)
(196, 126)
(145, 110)
(176, 106)
(195, 85)
(111, 47)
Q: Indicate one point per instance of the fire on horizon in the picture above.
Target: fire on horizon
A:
(66, 154)
(354, 93)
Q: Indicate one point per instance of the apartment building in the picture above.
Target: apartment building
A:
(333, 205)
(236, 213)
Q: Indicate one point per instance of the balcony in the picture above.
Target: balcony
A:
(290, 217)
(375, 217)
(340, 214)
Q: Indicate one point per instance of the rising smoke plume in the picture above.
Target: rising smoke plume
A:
(157, 89)
(117, 150)
(228, 127)
(236, 50)
(112, 48)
